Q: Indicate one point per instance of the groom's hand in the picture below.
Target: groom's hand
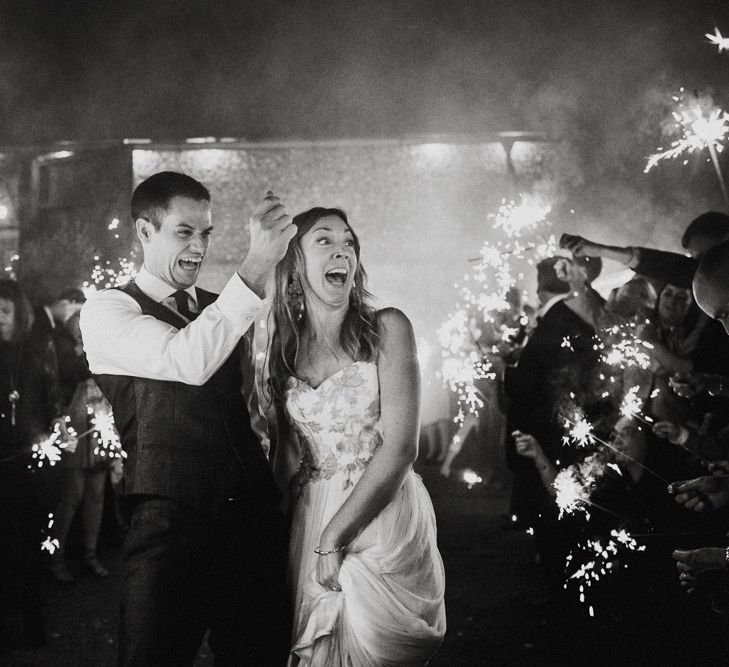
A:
(271, 231)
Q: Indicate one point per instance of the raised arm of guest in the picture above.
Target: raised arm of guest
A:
(661, 265)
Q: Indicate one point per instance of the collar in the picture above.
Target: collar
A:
(547, 306)
(156, 288)
(49, 314)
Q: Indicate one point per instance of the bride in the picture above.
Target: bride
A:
(366, 577)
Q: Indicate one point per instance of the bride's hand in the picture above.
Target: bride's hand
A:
(327, 569)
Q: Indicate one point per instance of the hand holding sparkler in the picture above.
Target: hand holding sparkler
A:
(527, 445)
(578, 245)
(703, 493)
(581, 247)
(697, 563)
(675, 434)
(718, 468)
(687, 385)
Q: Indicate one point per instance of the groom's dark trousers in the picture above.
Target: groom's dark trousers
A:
(206, 547)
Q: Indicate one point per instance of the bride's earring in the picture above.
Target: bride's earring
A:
(296, 297)
(355, 297)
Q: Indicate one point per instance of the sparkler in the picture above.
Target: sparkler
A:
(49, 449)
(575, 484)
(471, 478)
(515, 218)
(621, 346)
(701, 126)
(106, 273)
(603, 560)
(110, 275)
(50, 544)
(102, 421)
(632, 403)
(718, 39)
(462, 365)
(484, 299)
(104, 428)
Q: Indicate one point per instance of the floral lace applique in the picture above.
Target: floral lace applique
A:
(337, 422)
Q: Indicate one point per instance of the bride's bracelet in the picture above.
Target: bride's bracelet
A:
(319, 552)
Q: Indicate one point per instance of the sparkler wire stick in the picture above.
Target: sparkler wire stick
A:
(715, 160)
(596, 439)
(625, 456)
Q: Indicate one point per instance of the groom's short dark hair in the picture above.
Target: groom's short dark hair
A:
(151, 197)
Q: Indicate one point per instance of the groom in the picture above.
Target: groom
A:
(206, 547)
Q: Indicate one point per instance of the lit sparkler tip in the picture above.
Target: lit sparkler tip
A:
(514, 218)
(50, 545)
(102, 423)
(700, 125)
(718, 40)
(471, 478)
(49, 449)
(632, 403)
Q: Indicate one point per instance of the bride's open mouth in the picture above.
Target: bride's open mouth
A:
(337, 277)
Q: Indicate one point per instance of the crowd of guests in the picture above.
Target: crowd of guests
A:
(638, 470)
(44, 380)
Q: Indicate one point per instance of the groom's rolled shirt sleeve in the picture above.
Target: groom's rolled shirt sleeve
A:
(119, 339)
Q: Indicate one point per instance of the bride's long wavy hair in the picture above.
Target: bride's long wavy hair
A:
(358, 335)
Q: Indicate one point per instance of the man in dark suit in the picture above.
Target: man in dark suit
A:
(533, 396)
(206, 547)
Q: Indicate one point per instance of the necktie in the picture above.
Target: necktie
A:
(183, 304)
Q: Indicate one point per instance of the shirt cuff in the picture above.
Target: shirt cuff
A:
(238, 301)
(635, 257)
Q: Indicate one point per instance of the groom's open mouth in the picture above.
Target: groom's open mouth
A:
(189, 263)
(337, 277)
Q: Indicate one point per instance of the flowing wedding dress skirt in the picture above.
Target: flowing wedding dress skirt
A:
(390, 610)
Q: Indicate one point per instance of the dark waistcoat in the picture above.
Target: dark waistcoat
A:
(189, 443)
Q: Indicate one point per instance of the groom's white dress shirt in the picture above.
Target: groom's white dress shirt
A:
(119, 340)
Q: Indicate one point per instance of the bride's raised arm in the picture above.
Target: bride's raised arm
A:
(399, 379)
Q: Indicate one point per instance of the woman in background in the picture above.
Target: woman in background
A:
(29, 401)
(83, 475)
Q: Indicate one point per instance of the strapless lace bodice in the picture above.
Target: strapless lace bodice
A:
(338, 422)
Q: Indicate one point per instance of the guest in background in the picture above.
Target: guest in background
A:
(84, 471)
(29, 401)
(634, 300)
(533, 397)
(674, 333)
(51, 315)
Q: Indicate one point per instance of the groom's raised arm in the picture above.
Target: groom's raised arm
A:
(120, 340)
